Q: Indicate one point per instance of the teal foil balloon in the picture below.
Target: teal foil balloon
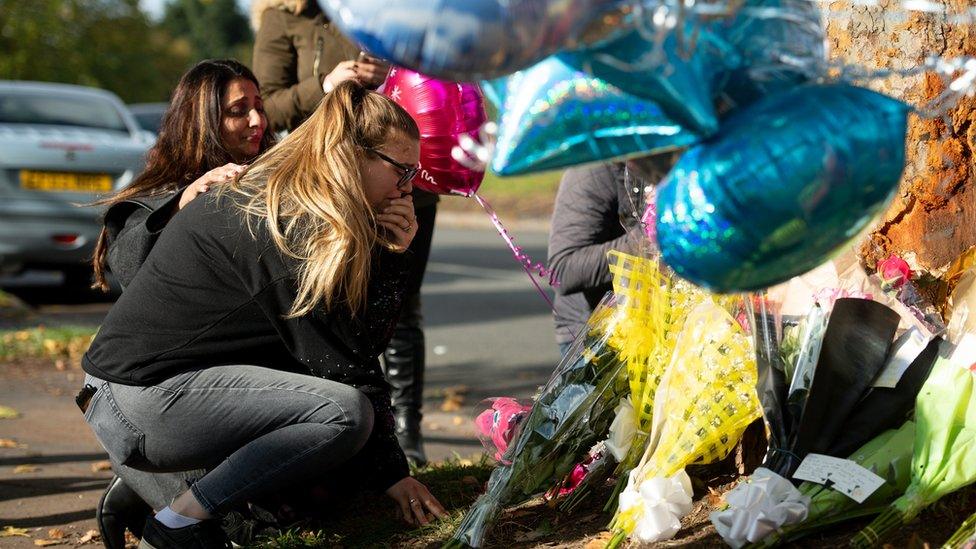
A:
(770, 46)
(785, 184)
(553, 116)
(674, 70)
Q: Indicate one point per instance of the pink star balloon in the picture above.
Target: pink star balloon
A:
(444, 111)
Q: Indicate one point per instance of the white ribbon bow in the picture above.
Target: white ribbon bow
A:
(661, 502)
(757, 507)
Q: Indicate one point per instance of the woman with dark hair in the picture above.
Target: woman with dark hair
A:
(215, 124)
(272, 298)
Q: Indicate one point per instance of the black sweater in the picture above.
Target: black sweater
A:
(211, 293)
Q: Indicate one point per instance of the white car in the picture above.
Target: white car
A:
(61, 148)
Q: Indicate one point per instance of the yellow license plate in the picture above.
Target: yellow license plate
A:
(64, 181)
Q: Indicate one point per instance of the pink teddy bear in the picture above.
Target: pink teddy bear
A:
(498, 425)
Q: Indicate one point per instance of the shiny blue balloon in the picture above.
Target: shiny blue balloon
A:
(553, 116)
(784, 185)
(470, 40)
(676, 74)
(770, 46)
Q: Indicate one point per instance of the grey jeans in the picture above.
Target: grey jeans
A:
(252, 431)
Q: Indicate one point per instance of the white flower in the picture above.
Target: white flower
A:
(657, 504)
(757, 507)
(623, 430)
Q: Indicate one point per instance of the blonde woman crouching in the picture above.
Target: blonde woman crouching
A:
(247, 343)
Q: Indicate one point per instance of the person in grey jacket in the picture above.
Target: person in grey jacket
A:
(191, 155)
(598, 209)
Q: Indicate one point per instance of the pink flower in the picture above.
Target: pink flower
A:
(894, 271)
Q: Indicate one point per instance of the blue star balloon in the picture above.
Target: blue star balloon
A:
(469, 40)
(553, 116)
(770, 46)
(672, 67)
(785, 184)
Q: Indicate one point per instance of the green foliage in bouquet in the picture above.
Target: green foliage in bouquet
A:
(889, 455)
(945, 441)
(572, 412)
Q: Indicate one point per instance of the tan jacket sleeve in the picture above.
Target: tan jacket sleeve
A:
(287, 100)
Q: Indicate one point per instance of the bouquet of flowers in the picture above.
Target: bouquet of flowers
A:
(847, 383)
(705, 401)
(652, 305)
(571, 413)
(888, 455)
(945, 441)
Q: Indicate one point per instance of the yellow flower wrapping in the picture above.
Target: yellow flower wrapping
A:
(652, 303)
(705, 399)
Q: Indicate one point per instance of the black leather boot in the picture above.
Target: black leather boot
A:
(404, 359)
(120, 508)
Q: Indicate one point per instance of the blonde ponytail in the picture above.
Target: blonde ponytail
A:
(308, 191)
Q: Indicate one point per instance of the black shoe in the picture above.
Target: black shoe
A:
(120, 508)
(205, 534)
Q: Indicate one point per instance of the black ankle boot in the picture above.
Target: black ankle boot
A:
(120, 508)
(405, 361)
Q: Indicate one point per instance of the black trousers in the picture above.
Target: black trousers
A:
(404, 358)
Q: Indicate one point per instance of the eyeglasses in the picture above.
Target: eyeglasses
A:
(407, 173)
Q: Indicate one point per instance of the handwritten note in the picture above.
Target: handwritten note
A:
(843, 475)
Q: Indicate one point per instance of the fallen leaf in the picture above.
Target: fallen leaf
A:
(714, 498)
(598, 542)
(104, 465)
(90, 536)
(10, 531)
(452, 402)
(458, 420)
(6, 412)
(55, 533)
(47, 542)
(11, 443)
(469, 479)
(59, 365)
(130, 539)
(25, 469)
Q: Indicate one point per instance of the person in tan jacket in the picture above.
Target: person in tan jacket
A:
(299, 56)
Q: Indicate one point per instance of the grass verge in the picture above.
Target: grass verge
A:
(529, 196)
(62, 342)
(368, 521)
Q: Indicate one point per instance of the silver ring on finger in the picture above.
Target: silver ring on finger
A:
(412, 501)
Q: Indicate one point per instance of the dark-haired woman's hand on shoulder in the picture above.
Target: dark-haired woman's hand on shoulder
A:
(399, 219)
(416, 502)
(202, 184)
